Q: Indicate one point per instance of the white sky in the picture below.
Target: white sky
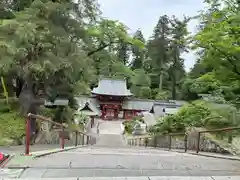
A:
(144, 14)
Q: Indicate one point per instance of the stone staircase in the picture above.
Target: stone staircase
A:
(110, 134)
(111, 141)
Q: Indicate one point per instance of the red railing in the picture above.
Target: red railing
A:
(80, 137)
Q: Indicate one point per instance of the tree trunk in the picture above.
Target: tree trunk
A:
(160, 80)
(173, 86)
(29, 103)
(27, 96)
(161, 76)
(19, 86)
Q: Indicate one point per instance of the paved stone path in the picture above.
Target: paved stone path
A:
(33, 148)
(147, 178)
(121, 162)
(111, 157)
(110, 127)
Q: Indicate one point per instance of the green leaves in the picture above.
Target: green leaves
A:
(219, 42)
(221, 38)
(112, 32)
(198, 114)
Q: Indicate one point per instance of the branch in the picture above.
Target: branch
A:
(98, 49)
(103, 46)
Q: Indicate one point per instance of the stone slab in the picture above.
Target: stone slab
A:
(10, 173)
(139, 178)
(226, 177)
(21, 160)
(180, 178)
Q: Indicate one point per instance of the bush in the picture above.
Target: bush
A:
(12, 127)
(197, 114)
(129, 124)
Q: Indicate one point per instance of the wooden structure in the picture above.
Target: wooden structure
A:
(114, 101)
(110, 94)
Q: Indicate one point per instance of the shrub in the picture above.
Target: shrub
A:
(129, 124)
(12, 127)
(197, 114)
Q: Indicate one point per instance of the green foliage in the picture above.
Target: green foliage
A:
(205, 84)
(217, 43)
(198, 114)
(81, 118)
(129, 124)
(12, 128)
(162, 95)
(47, 112)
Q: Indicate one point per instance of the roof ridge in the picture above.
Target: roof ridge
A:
(120, 78)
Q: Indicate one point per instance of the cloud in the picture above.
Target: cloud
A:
(144, 15)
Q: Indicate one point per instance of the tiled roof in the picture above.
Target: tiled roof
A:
(91, 103)
(110, 86)
(138, 104)
(170, 107)
(177, 103)
(57, 102)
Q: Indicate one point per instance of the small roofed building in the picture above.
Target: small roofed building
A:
(110, 93)
(89, 109)
(168, 107)
(87, 106)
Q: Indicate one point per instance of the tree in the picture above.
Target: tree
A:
(178, 45)
(50, 45)
(138, 54)
(140, 84)
(219, 40)
(158, 47)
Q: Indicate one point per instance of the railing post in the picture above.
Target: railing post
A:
(76, 138)
(198, 142)
(28, 135)
(185, 142)
(155, 141)
(87, 140)
(146, 142)
(92, 121)
(62, 138)
(170, 142)
(83, 139)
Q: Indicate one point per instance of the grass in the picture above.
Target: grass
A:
(12, 127)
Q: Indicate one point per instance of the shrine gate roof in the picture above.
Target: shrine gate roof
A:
(113, 87)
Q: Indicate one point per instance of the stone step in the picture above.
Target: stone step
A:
(139, 178)
(110, 140)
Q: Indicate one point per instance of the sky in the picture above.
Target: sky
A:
(144, 14)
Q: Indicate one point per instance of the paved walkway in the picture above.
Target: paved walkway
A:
(111, 157)
(33, 148)
(121, 162)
